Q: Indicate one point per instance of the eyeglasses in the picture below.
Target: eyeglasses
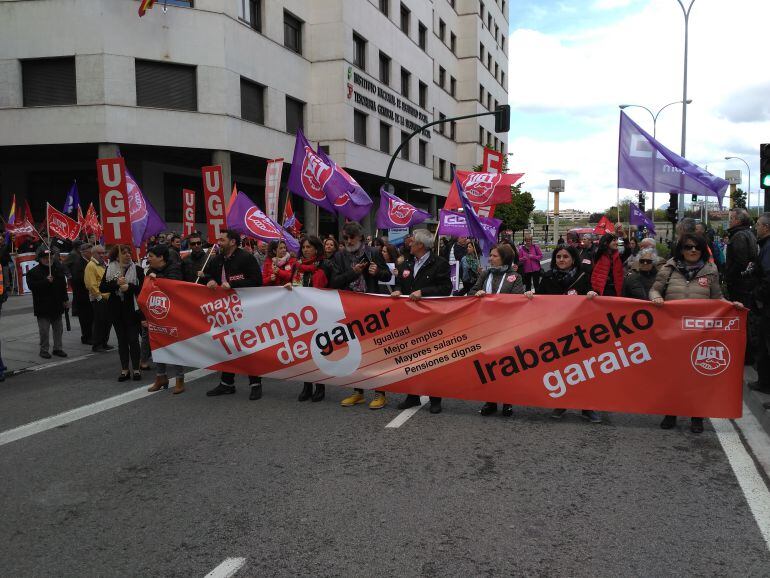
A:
(645, 261)
(196, 244)
(690, 248)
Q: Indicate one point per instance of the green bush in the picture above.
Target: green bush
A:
(662, 250)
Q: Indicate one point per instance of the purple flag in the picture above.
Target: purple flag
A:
(637, 217)
(317, 178)
(646, 165)
(395, 213)
(455, 224)
(72, 201)
(476, 229)
(247, 219)
(145, 221)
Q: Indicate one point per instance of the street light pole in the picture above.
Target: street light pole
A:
(686, 14)
(748, 194)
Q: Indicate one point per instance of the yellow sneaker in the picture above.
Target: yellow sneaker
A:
(353, 399)
(379, 401)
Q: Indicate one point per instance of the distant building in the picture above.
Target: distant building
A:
(570, 215)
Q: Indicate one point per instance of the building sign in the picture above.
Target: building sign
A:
(373, 96)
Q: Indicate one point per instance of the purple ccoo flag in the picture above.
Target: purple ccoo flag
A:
(247, 219)
(476, 229)
(72, 202)
(455, 224)
(646, 165)
(395, 213)
(637, 217)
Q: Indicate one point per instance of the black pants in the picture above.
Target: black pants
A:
(531, 280)
(127, 333)
(85, 314)
(229, 379)
(102, 323)
(759, 337)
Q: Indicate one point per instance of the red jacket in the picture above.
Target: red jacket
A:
(602, 269)
(282, 275)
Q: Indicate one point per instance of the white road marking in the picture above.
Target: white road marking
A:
(753, 486)
(66, 417)
(56, 363)
(545, 261)
(401, 418)
(756, 437)
(227, 568)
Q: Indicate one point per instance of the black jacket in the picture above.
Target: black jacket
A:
(741, 250)
(511, 282)
(48, 298)
(79, 291)
(240, 270)
(580, 284)
(191, 265)
(459, 251)
(343, 274)
(433, 279)
(761, 275)
(170, 271)
(123, 311)
(638, 284)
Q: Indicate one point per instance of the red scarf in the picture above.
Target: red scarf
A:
(303, 272)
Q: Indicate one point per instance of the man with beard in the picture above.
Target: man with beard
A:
(194, 261)
(359, 268)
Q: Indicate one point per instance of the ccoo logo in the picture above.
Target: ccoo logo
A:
(399, 212)
(710, 357)
(158, 304)
(315, 174)
(479, 187)
(258, 224)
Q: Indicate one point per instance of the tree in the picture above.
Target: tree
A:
(515, 215)
(539, 218)
(595, 217)
(739, 198)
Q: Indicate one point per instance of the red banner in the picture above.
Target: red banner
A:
(113, 201)
(214, 197)
(482, 189)
(493, 163)
(60, 225)
(612, 354)
(91, 223)
(188, 211)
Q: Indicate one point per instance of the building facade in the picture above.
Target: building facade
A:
(229, 82)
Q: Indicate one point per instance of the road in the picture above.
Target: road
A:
(170, 485)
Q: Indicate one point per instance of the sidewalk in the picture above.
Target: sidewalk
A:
(20, 344)
(755, 399)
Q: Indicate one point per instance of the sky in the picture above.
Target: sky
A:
(572, 63)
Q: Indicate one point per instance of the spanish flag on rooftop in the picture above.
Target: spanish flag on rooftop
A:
(144, 6)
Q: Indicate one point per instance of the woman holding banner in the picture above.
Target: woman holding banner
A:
(607, 275)
(567, 277)
(687, 275)
(311, 271)
(123, 281)
(279, 265)
(499, 277)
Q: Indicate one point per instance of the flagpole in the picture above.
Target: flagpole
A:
(48, 231)
(206, 262)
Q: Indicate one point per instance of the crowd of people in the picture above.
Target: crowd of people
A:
(105, 285)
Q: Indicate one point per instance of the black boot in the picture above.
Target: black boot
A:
(668, 422)
(307, 391)
(696, 425)
(488, 408)
(507, 410)
(320, 391)
(256, 392)
(409, 401)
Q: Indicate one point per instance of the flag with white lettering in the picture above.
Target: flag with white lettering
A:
(60, 225)
(395, 213)
(247, 219)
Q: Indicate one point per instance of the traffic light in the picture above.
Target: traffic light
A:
(764, 166)
(694, 198)
(503, 118)
(641, 201)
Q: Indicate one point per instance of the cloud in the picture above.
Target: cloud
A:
(610, 4)
(750, 104)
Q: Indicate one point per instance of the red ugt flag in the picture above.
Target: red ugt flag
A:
(60, 225)
(604, 226)
(482, 189)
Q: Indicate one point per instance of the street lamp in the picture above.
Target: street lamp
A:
(654, 129)
(686, 14)
(748, 195)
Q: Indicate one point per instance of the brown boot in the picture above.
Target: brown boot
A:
(179, 387)
(161, 382)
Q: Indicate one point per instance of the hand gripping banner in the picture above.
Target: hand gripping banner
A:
(683, 358)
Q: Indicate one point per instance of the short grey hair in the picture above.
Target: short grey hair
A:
(98, 248)
(742, 215)
(647, 243)
(764, 218)
(648, 252)
(423, 237)
(86, 247)
(686, 225)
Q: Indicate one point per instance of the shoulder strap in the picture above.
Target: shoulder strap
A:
(582, 273)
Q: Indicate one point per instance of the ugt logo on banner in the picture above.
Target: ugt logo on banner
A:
(214, 197)
(113, 200)
(188, 211)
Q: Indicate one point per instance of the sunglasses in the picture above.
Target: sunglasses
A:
(645, 261)
(196, 244)
(690, 248)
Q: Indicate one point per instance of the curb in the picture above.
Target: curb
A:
(754, 400)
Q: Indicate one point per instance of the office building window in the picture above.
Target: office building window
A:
(440, 127)
(165, 85)
(406, 78)
(384, 68)
(405, 150)
(292, 32)
(453, 130)
(442, 30)
(385, 137)
(489, 62)
(481, 94)
(442, 169)
(49, 81)
(502, 78)
(503, 7)
(359, 127)
(422, 152)
(452, 86)
(481, 136)
(441, 76)
(497, 69)
(453, 42)
(489, 101)
(497, 32)
(359, 51)
(452, 169)
(252, 101)
(481, 11)
(489, 23)
(422, 35)
(423, 94)
(405, 17)
(481, 51)
(250, 11)
(502, 43)
(385, 7)
(295, 115)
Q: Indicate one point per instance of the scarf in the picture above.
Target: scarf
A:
(303, 272)
(278, 263)
(565, 278)
(498, 272)
(689, 271)
(359, 283)
(115, 270)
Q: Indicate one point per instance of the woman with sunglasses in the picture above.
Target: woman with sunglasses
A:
(687, 275)
(638, 284)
